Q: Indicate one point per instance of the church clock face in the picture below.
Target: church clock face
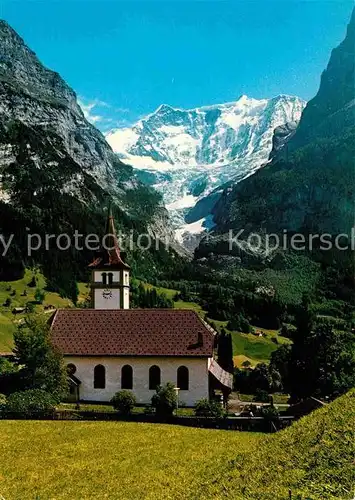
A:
(107, 294)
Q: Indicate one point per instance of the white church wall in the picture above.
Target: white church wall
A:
(198, 376)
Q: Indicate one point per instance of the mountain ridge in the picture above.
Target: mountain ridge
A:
(186, 154)
(306, 189)
(308, 184)
(336, 95)
(57, 173)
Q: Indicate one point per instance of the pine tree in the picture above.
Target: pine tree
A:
(225, 351)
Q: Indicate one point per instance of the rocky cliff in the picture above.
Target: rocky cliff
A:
(57, 171)
(333, 108)
(309, 185)
(37, 99)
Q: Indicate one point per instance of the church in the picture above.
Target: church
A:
(111, 347)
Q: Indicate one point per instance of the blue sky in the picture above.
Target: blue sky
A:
(125, 58)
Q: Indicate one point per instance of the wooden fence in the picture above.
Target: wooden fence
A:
(250, 424)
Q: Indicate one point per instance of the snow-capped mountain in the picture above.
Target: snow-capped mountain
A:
(188, 154)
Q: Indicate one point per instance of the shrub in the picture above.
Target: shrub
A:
(336, 323)
(165, 400)
(10, 379)
(7, 366)
(33, 282)
(30, 402)
(287, 331)
(261, 396)
(149, 410)
(260, 378)
(206, 408)
(8, 302)
(329, 308)
(39, 296)
(270, 413)
(124, 402)
(239, 323)
(29, 308)
(241, 379)
(3, 401)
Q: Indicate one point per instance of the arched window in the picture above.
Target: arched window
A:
(127, 377)
(71, 369)
(110, 278)
(183, 378)
(104, 278)
(99, 377)
(154, 377)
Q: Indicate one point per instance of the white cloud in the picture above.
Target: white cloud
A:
(88, 109)
(121, 110)
(94, 113)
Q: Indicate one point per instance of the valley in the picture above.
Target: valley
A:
(179, 171)
(215, 330)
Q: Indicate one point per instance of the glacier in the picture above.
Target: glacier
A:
(191, 155)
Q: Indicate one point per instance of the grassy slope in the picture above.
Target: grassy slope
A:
(314, 458)
(115, 460)
(8, 321)
(249, 347)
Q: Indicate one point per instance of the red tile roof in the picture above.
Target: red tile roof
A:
(131, 332)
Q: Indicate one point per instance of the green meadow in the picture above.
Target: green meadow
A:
(314, 459)
(20, 293)
(116, 460)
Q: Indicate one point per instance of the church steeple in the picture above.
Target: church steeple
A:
(110, 274)
(110, 253)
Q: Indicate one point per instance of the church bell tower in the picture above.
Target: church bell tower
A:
(110, 274)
